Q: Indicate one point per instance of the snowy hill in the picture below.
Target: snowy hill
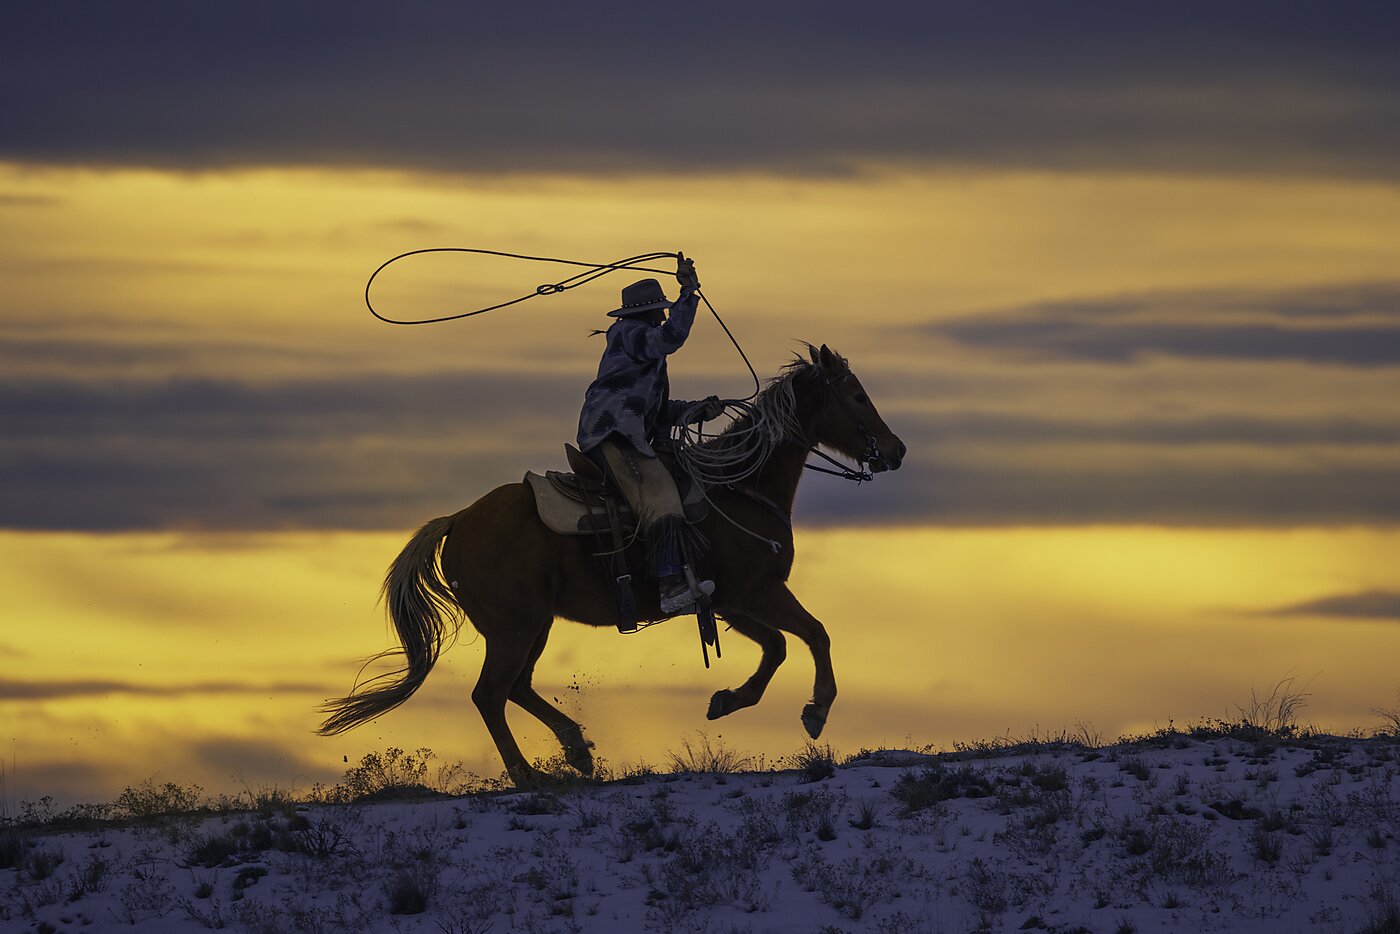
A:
(1211, 832)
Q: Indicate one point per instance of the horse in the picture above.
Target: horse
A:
(496, 564)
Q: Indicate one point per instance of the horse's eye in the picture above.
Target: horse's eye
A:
(862, 398)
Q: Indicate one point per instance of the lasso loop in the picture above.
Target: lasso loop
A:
(591, 272)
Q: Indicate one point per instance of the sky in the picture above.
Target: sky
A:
(1122, 277)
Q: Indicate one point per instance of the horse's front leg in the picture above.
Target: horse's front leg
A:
(774, 648)
(777, 607)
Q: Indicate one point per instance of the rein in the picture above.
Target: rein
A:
(842, 470)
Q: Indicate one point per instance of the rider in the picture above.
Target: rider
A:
(628, 408)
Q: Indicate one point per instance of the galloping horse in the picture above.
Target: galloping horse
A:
(498, 564)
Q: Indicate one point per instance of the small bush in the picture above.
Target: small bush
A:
(1266, 845)
(536, 804)
(92, 877)
(393, 775)
(408, 895)
(213, 850)
(938, 783)
(814, 763)
(151, 800)
(705, 757)
(866, 816)
(809, 811)
(11, 850)
(38, 865)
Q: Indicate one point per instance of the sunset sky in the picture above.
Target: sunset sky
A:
(1124, 277)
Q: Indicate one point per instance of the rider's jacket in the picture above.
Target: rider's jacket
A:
(630, 397)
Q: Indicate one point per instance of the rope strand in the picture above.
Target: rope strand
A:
(592, 271)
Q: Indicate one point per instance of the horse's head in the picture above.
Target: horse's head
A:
(849, 423)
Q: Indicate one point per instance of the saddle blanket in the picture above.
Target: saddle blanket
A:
(567, 515)
(562, 513)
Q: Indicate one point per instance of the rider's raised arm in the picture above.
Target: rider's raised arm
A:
(666, 338)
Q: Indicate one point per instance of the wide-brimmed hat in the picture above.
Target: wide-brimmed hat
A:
(644, 295)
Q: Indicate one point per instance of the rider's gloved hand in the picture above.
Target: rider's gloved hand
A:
(685, 274)
(711, 408)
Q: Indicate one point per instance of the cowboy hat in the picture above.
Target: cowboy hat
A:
(642, 296)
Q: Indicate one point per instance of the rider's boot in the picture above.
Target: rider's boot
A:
(677, 594)
(679, 585)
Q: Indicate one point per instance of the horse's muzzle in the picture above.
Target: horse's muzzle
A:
(879, 461)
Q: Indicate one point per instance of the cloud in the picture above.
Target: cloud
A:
(1372, 604)
(249, 759)
(1244, 87)
(1023, 494)
(384, 452)
(12, 200)
(943, 428)
(349, 452)
(1357, 326)
(1123, 343)
(93, 687)
(1322, 304)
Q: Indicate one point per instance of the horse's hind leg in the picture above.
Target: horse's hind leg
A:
(507, 650)
(577, 751)
(774, 648)
(777, 607)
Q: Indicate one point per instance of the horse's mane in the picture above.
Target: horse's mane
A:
(745, 445)
(772, 413)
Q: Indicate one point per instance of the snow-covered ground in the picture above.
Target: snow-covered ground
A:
(1208, 833)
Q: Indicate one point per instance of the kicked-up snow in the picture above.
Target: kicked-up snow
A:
(1172, 833)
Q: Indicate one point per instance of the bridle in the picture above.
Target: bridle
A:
(870, 457)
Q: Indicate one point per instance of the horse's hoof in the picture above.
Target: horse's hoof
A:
(578, 752)
(814, 719)
(719, 705)
(527, 778)
(580, 758)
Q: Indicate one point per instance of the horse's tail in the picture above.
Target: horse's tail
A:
(425, 615)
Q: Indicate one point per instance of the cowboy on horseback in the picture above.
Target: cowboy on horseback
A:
(627, 410)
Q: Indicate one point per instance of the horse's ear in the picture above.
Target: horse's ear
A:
(812, 352)
(826, 359)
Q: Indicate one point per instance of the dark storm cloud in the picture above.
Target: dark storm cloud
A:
(200, 410)
(361, 452)
(961, 427)
(1338, 302)
(1251, 86)
(1021, 494)
(1123, 342)
(1355, 326)
(1374, 604)
(247, 758)
(377, 452)
(62, 690)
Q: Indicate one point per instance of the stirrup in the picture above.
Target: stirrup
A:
(685, 596)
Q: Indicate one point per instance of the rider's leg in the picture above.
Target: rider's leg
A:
(651, 491)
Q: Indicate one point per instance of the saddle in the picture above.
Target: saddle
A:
(582, 502)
